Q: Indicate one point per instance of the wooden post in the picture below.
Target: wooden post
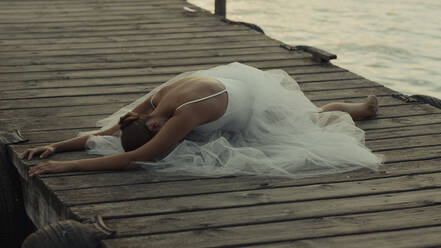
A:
(220, 7)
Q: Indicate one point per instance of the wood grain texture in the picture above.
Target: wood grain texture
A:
(133, 37)
(190, 198)
(272, 212)
(404, 238)
(270, 232)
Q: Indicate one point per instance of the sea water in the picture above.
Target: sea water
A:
(394, 42)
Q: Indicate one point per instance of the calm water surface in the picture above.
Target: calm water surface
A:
(394, 42)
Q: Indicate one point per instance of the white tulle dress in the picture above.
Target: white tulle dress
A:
(286, 134)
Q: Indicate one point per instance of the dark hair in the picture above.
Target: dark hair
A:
(134, 132)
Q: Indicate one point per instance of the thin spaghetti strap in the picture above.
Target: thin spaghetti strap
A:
(151, 101)
(201, 99)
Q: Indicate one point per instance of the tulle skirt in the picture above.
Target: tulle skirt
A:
(286, 135)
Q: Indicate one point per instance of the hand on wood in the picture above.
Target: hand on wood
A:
(44, 151)
(50, 167)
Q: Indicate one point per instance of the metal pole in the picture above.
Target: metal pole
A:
(220, 7)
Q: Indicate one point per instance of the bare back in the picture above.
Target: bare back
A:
(169, 98)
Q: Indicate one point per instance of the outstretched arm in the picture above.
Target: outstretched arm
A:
(173, 131)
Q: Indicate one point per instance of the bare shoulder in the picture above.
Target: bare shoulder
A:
(197, 81)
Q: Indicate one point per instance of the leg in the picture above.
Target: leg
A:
(358, 111)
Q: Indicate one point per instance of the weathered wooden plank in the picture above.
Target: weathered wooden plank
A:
(400, 121)
(117, 26)
(90, 8)
(108, 26)
(120, 38)
(412, 154)
(100, 18)
(26, 4)
(271, 213)
(51, 123)
(405, 142)
(63, 92)
(69, 101)
(328, 77)
(142, 60)
(406, 110)
(17, 16)
(103, 23)
(114, 52)
(61, 10)
(47, 8)
(31, 4)
(385, 133)
(122, 15)
(192, 196)
(338, 95)
(382, 100)
(87, 10)
(151, 65)
(190, 29)
(401, 238)
(66, 111)
(271, 232)
(193, 30)
(332, 85)
(154, 45)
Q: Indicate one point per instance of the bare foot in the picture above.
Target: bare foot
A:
(364, 110)
(358, 111)
(371, 104)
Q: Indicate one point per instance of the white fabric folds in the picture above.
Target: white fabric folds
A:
(285, 136)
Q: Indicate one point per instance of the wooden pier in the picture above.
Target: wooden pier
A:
(66, 64)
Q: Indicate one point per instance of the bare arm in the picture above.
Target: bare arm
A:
(174, 130)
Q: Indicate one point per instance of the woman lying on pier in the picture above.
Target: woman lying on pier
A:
(230, 119)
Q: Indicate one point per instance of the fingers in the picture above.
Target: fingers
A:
(50, 167)
(24, 154)
(46, 153)
(31, 154)
(34, 170)
(28, 154)
(39, 169)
